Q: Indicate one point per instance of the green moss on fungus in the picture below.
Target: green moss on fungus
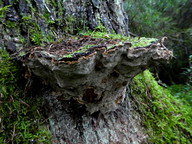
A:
(135, 41)
(167, 119)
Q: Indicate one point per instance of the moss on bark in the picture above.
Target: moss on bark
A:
(167, 119)
(20, 120)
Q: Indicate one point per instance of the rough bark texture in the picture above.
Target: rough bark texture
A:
(71, 124)
(109, 13)
(48, 20)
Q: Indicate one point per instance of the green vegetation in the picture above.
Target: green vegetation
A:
(20, 120)
(183, 92)
(68, 27)
(166, 118)
(35, 33)
(153, 18)
(188, 72)
(136, 41)
(3, 10)
(9, 24)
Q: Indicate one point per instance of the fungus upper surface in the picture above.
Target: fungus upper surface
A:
(73, 48)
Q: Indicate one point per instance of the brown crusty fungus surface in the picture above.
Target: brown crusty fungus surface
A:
(94, 72)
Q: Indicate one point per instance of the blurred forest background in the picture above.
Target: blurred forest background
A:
(171, 18)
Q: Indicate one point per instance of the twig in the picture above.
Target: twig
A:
(135, 35)
(21, 101)
(13, 135)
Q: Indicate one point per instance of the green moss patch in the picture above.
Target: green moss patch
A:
(20, 120)
(167, 119)
(135, 41)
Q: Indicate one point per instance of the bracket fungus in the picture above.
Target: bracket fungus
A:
(94, 72)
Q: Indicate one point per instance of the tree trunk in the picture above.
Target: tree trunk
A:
(38, 21)
(70, 123)
(92, 13)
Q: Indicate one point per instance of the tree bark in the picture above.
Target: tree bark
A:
(91, 13)
(49, 20)
(71, 124)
